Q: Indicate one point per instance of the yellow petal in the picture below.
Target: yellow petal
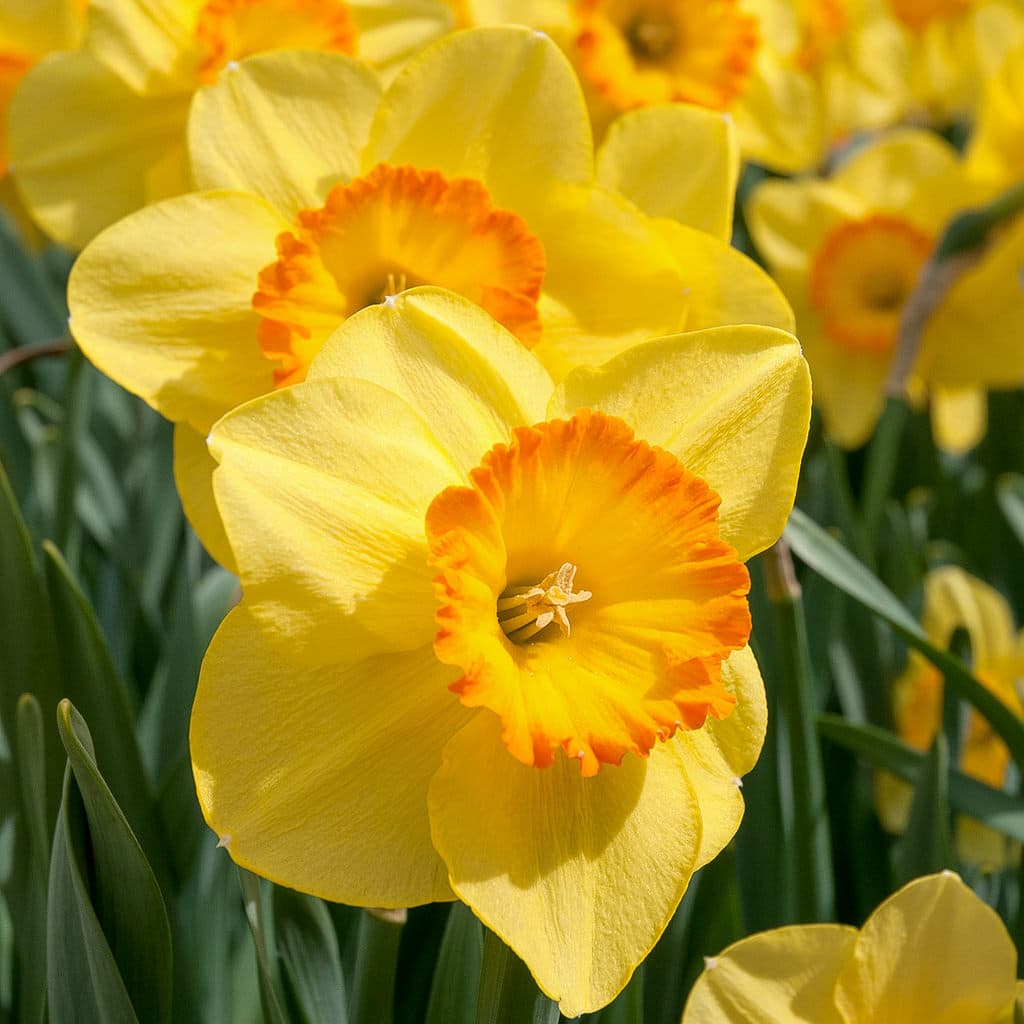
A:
(87, 150)
(932, 952)
(193, 475)
(150, 46)
(720, 753)
(724, 286)
(323, 488)
(578, 875)
(959, 418)
(674, 161)
(468, 379)
(784, 976)
(316, 776)
(390, 33)
(789, 220)
(911, 172)
(498, 104)
(162, 302)
(611, 280)
(986, 303)
(286, 125)
(779, 119)
(731, 403)
(955, 599)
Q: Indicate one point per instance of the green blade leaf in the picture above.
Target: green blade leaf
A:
(252, 894)
(108, 936)
(373, 985)
(925, 848)
(27, 641)
(992, 807)
(508, 991)
(91, 681)
(453, 996)
(308, 948)
(827, 556)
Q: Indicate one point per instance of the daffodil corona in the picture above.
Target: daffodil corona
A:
(493, 634)
(473, 171)
(932, 952)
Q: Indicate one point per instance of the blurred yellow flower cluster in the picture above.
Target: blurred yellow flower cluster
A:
(475, 395)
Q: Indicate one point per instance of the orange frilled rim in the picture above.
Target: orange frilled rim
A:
(582, 505)
(395, 228)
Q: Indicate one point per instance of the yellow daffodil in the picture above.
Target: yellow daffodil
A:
(933, 952)
(950, 47)
(29, 30)
(492, 643)
(794, 74)
(473, 171)
(847, 252)
(954, 600)
(996, 152)
(99, 132)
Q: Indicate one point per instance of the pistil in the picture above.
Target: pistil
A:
(524, 611)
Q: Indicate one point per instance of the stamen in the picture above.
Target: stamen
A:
(395, 284)
(524, 611)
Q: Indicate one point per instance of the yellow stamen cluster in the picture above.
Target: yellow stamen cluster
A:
(524, 611)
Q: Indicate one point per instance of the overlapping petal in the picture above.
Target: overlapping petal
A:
(170, 316)
(341, 768)
(284, 126)
(716, 400)
(584, 874)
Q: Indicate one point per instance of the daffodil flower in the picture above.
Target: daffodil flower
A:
(848, 250)
(794, 74)
(493, 638)
(473, 171)
(932, 952)
(100, 131)
(954, 600)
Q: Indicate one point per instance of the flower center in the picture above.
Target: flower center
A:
(228, 30)
(639, 52)
(524, 611)
(643, 655)
(395, 228)
(862, 276)
(917, 14)
(13, 67)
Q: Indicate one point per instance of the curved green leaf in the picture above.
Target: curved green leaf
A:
(311, 960)
(827, 556)
(453, 995)
(108, 936)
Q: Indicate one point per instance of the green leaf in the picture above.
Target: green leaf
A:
(925, 848)
(507, 990)
(1010, 495)
(27, 640)
(252, 894)
(32, 860)
(825, 555)
(92, 683)
(992, 807)
(453, 996)
(308, 948)
(810, 844)
(628, 1005)
(108, 936)
(373, 984)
